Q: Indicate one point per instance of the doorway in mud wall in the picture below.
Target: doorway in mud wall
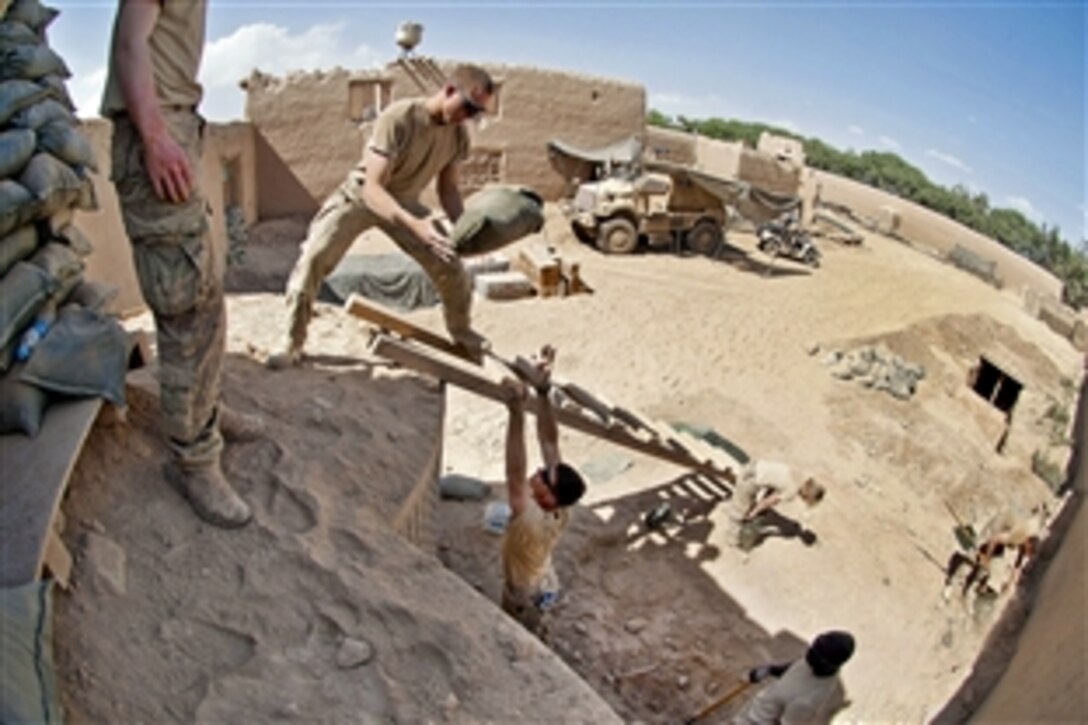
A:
(999, 389)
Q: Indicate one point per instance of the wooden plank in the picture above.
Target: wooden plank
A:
(587, 400)
(423, 362)
(56, 558)
(572, 277)
(35, 475)
(392, 322)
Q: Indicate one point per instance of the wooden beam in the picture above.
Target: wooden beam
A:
(392, 322)
(420, 360)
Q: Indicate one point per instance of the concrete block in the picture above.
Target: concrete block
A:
(503, 285)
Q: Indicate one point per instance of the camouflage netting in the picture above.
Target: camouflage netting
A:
(45, 167)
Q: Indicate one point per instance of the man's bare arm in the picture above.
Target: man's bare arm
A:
(379, 201)
(517, 489)
(764, 504)
(547, 432)
(449, 191)
(165, 161)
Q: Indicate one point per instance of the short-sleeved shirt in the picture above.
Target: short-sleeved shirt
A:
(417, 146)
(769, 476)
(176, 44)
(799, 696)
(1012, 527)
(528, 542)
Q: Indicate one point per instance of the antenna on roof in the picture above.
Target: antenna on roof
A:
(409, 35)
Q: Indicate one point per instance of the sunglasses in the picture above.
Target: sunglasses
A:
(469, 106)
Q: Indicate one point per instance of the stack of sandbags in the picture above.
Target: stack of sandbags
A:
(47, 310)
(769, 173)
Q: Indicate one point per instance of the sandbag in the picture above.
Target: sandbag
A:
(395, 280)
(16, 148)
(57, 89)
(31, 62)
(28, 689)
(64, 141)
(44, 111)
(52, 182)
(13, 33)
(17, 205)
(17, 246)
(31, 13)
(93, 295)
(83, 354)
(75, 239)
(495, 217)
(59, 261)
(22, 405)
(23, 291)
(18, 94)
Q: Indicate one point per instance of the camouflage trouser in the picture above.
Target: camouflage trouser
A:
(181, 277)
(341, 219)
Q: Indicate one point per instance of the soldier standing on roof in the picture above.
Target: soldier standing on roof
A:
(414, 141)
(151, 97)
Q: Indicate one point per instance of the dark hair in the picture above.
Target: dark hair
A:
(829, 652)
(568, 485)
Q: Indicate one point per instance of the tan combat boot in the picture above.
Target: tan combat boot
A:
(210, 494)
(288, 357)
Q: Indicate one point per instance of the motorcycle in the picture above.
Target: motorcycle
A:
(777, 239)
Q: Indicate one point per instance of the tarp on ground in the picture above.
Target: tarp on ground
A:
(395, 280)
(28, 688)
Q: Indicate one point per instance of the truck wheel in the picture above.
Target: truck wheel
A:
(617, 236)
(704, 238)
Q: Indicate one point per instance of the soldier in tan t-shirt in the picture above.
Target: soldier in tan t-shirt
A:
(538, 503)
(414, 141)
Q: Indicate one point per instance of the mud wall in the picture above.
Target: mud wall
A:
(315, 123)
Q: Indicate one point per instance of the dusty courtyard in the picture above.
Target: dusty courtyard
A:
(657, 623)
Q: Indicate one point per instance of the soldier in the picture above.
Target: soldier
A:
(808, 690)
(538, 503)
(762, 486)
(414, 141)
(151, 97)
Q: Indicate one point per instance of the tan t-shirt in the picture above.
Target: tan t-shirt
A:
(798, 697)
(176, 43)
(528, 542)
(770, 476)
(417, 147)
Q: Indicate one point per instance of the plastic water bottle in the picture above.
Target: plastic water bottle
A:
(33, 336)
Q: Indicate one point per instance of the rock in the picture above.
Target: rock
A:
(451, 704)
(683, 682)
(635, 625)
(831, 358)
(105, 561)
(581, 628)
(813, 348)
(354, 653)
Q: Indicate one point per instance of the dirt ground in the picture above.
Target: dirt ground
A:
(658, 623)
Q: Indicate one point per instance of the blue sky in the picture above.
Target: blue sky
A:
(990, 95)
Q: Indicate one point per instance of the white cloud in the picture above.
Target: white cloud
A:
(889, 142)
(856, 130)
(86, 91)
(1023, 205)
(950, 160)
(272, 49)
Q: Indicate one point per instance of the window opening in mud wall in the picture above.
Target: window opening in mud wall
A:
(996, 386)
(367, 97)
